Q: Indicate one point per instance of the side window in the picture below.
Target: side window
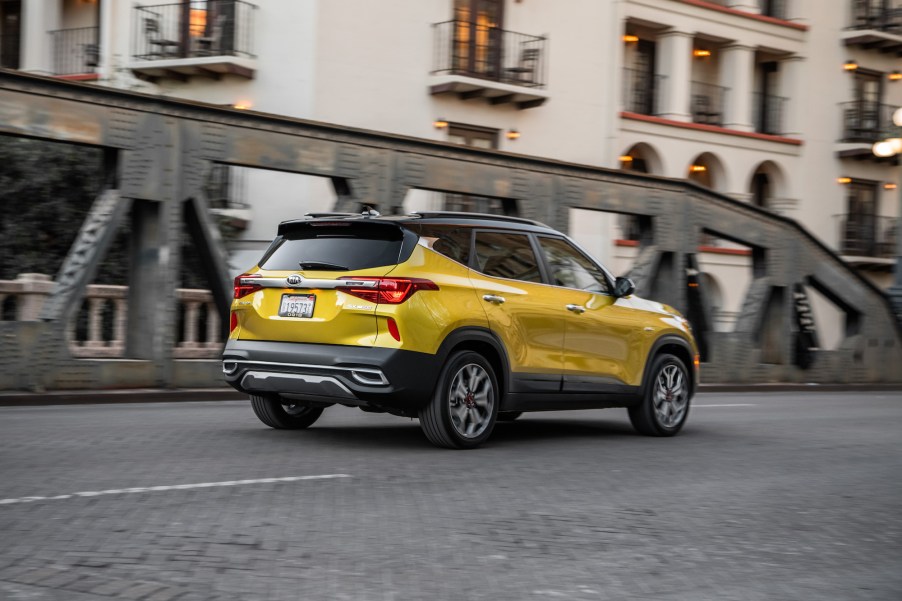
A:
(451, 241)
(507, 256)
(571, 268)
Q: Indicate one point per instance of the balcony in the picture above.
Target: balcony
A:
(476, 61)
(206, 39)
(75, 51)
(875, 26)
(867, 237)
(642, 92)
(865, 121)
(768, 114)
(708, 103)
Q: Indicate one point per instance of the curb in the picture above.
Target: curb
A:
(190, 395)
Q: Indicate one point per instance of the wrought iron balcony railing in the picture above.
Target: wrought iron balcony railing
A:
(642, 92)
(768, 114)
(75, 51)
(474, 50)
(882, 15)
(193, 30)
(865, 235)
(866, 121)
(708, 103)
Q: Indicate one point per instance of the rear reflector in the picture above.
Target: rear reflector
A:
(393, 329)
(244, 284)
(233, 321)
(389, 291)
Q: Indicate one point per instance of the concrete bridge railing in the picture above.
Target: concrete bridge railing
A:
(98, 329)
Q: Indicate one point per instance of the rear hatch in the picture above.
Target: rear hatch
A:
(306, 287)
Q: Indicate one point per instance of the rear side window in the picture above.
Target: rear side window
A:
(334, 248)
(507, 256)
(450, 240)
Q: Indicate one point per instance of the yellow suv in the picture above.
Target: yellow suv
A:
(458, 319)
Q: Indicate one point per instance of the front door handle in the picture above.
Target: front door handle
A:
(492, 298)
(576, 308)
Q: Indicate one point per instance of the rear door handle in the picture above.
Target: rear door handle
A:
(492, 298)
(576, 308)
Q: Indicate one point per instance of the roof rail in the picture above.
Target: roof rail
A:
(462, 215)
(317, 215)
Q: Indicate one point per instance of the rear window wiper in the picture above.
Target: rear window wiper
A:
(322, 265)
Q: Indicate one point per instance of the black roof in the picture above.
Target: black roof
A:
(424, 217)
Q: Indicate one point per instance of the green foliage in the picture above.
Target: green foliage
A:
(46, 191)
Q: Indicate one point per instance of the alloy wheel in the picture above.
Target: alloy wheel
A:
(471, 400)
(671, 397)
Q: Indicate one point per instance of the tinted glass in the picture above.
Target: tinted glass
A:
(450, 240)
(507, 256)
(570, 268)
(334, 248)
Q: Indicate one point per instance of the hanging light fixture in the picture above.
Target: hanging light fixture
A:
(512, 134)
(850, 65)
(440, 123)
(630, 38)
(894, 76)
(701, 52)
(843, 180)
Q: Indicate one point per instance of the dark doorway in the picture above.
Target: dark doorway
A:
(10, 33)
(477, 37)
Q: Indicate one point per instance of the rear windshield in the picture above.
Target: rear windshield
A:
(334, 248)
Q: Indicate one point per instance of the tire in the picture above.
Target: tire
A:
(665, 404)
(464, 405)
(281, 414)
(509, 416)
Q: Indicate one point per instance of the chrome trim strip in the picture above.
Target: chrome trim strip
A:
(309, 283)
(357, 373)
(303, 384)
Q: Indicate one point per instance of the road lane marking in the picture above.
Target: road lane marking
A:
(728, 405)
(125, 491)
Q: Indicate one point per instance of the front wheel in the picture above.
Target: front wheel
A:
(464, 406)
(283, 414)
(665, 406)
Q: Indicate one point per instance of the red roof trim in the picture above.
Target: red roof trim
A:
(711, 128)
(80, 77)
(742, 13)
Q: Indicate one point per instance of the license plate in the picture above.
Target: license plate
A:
(297, 305)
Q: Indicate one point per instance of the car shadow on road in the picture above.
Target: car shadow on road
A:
(407, 434)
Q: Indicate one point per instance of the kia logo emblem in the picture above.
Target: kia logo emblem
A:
(294, 279)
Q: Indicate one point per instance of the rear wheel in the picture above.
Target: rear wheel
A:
(665, 406)
(283, 414)
(464, 406)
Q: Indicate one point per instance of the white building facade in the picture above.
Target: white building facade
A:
(755, 99)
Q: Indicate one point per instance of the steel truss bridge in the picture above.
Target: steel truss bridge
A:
(157, 151)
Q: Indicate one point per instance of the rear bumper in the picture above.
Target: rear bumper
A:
(390, 379)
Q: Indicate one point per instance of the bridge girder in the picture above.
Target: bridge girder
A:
(160, 148)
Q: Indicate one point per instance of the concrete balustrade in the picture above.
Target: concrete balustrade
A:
(199, 336)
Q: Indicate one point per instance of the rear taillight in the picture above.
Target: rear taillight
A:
(389, 291)
(244, 284)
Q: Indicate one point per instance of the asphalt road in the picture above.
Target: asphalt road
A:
(778, 497)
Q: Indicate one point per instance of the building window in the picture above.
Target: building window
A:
(472, 135)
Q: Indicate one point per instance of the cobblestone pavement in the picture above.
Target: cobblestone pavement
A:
(777, 497)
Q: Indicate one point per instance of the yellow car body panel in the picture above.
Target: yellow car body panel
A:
(426, 318)
(529, 321)
(338, 317)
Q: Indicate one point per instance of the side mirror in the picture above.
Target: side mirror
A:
(623, 287)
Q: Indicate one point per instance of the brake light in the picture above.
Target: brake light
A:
(389, 291)
(245, 285)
